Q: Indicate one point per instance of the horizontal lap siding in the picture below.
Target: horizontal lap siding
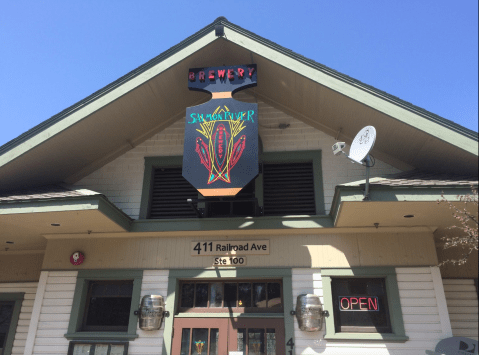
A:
(155, 282)
(55, 313)
(420, 314)
(30, 289)
(56, 309)
(462, 304)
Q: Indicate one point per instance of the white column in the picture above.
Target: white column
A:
(441, 302)
(37, 307)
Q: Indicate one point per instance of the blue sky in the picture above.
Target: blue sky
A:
(55, 53)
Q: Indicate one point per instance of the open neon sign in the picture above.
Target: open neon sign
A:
(359, 303)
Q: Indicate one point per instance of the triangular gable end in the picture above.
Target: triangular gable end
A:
(105, 125)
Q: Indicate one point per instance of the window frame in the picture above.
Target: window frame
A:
(223, 308)
(16, 297)
(299, 156)
(84, 277)
(398, 333)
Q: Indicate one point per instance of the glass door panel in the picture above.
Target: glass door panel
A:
(219, 336)
(257, 336)
(200, 336)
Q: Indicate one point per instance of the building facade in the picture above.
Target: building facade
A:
(95, 215)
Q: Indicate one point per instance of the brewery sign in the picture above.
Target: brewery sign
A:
(230, 247)
(221, 136)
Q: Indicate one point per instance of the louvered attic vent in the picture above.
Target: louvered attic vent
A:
(288, 189)
(170, 191)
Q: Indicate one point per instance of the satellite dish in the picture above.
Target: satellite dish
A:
(362, 144)
(359, 152)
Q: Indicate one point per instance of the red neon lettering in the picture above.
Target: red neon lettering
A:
(230, 74)
(211, 75)
(201, 76)
(240, 73)
(221, 73)
(353, 303)
(251, 70)
(373, 303)
(342, 299)
(191, 76)
(361, 303)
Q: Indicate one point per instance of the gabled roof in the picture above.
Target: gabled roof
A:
(103, 126)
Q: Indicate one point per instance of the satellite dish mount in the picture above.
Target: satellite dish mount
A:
(359, 152)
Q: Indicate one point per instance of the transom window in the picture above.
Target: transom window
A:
(239, 296)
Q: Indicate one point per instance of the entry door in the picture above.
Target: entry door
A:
(200, 336)
(249, 336)
(219, 336)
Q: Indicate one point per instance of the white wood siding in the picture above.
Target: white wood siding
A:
(56, 308)
(55, 313)
(30, 289)
(122, 179)
(461, 298)
(420, 310)
(155, 282)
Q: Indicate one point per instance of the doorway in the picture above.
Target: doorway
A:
(223, 336)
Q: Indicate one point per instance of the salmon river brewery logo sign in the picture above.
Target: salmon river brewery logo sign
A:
(221, 136)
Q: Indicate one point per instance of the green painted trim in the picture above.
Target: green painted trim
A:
(313, 156)
(395, 312)
(17, 296)
(381, 101)
(150, 164)
(79, 301)
(230, 315)
(18, 299)
(360, 272)
(240, 223)
(299, 156)
(230, 272)
(288, 307)
(75, 113)
(77, 203)
(173, 294)
(381, 193)
(96, 336)
(114, 213)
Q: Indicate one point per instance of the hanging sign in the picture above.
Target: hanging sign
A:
(221, 136)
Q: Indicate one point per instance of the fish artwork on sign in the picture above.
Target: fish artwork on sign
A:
(221, 153)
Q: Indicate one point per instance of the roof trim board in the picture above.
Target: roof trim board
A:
(99, 100)
(363, 95)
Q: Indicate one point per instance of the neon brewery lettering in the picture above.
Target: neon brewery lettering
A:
(223, 116)
(220, 74)
(358, 303)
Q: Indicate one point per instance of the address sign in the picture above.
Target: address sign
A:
(230, 247)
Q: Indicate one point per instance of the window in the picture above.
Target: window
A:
(104, 348)
(244, 296)
(108, 305)
(104, 304)
(360, 305)
(10, 305)
(289, 184)
(363, 304)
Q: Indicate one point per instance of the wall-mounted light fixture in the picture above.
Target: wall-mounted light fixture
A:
(309, 313)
